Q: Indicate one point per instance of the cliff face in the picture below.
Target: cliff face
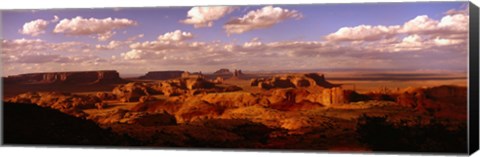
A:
(162, 75)
(79, 77)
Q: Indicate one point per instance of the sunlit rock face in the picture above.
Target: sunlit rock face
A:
(293, 81)
(131, 92)
(311, 87)
(134, 91)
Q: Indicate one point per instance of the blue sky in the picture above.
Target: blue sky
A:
(323, 18)
(316, 23)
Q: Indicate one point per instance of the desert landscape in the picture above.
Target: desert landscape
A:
(233, 109)
(377, 77)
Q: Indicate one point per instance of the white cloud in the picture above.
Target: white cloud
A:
(412, 39)
(176, 35)
(34, 28)
(420, 24)
(445, 42)
(421, 34)
(363, 32)
(132, 54)
(204, 16)
(110, 46)
(105, 36)
(262, 18)
(103, 28)
(454, 24)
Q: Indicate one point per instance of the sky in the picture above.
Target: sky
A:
(405, 36)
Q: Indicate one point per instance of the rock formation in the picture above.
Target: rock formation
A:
(105, 96)
(129, 117)
(222, 72)
(237, 73)
(70, 78)
(187, 74)
(131, 92)
(447, 101)
(67, 103)
(162, 75)
(334, 95)
(218, 80)
(293, 81)
(31, 124)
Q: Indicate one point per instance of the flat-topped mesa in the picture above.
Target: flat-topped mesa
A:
(293, 81)
(162, 75)
(73, 77)
(222, 71)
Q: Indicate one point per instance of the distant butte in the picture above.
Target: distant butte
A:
(162, 75)
(223, 72)
(72, 77)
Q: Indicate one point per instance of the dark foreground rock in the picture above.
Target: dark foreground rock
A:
(32, 124)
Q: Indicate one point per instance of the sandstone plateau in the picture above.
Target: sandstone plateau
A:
(78, 77)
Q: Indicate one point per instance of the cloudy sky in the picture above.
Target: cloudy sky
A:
(405, 36)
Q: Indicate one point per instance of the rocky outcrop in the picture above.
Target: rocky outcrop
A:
(197, 107)
(448, 101)
(293, 81)
(237, 73)
(162, 75)
(285, 98)
(273, 118)
(218, 80)
(69, 78)
(222, 72)
(31, 124)
(191, 86)
(65, 102)
(129, 117)
(187, 74)
(334, 95)
(234, 100)
(132, 92)
(105, 96)
(289, 95)
(290, 89)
